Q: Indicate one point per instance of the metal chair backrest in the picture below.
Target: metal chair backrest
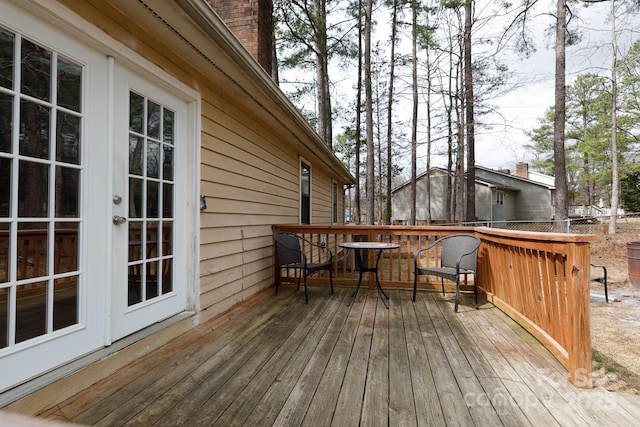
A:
(454, 246)
(288, 246)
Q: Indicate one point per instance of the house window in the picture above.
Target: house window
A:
(305, 193)
(334, 211)
(500, 197)
(41, 172)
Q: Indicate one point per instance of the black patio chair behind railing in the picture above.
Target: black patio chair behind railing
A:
(458, 256)
(291, 255)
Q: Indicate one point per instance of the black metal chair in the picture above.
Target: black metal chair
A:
(458, 256)
(601, 279)
(290, 255)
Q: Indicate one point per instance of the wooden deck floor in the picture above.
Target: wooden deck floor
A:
(277, 361)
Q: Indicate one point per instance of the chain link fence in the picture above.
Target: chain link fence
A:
(627, 223)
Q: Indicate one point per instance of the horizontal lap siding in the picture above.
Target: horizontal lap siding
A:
(250, 176)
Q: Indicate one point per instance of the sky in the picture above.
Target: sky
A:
(519, 110)
(501, 145)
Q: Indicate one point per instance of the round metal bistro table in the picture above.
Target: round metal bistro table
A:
(359, 248)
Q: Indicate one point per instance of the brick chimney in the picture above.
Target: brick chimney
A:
(251, 22)
(522, 170)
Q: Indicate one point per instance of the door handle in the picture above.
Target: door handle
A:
(119, 220)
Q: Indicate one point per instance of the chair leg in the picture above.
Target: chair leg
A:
(457, 293)
(331, 279)
(306, 293)
(442, 281)
(475, 288)
(277, 281)
(415, 284)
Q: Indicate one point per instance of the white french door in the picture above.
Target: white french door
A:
(52, 150)
(149, 137)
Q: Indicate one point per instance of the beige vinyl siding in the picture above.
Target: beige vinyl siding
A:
(250, 152)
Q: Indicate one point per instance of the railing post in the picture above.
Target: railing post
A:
(579, 343)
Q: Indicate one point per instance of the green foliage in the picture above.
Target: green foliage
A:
(542, 144)
(630, 192)
(588, 133)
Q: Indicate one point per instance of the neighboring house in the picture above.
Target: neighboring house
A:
(440, 199)
(144, 156)
(500, 196)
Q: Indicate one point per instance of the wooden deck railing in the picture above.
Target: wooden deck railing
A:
(541, 280)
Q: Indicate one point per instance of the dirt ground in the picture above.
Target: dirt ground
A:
(615, 327)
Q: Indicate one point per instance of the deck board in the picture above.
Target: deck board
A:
(279, 362)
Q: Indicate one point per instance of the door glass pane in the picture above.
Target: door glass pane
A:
(5, 187)
(135, 198)
(65, 247)
(5, 245)
(32, 251)
(6, 58)
(134, 294)
(152, 279)
(152, 199)
(167, 201)
(153, 120)
(167, 238)
(34, 130)
(168, 126)
(68, 138)
(136, 155)
(136, 113)
(153, 160)
(36, 71)
(69, 84)
(33, 189)
(31, 311)
(135, 241)
(6, 122)
(67, 192)
(152, 239)
(4, 317)
(167, 275)
(167, 171)
(65, 302)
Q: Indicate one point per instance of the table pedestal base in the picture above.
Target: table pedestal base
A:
(383, 296)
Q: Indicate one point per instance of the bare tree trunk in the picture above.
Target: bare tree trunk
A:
(414, 115)
(469, 118)
(448, 200)
(275, 73)
(459, 180)
(369, 114)
(428, 176)
(392, 65)
(322, 74)
(357, 195)
(560, 114)
(459, 108)
(615, 178)
(378, 140)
